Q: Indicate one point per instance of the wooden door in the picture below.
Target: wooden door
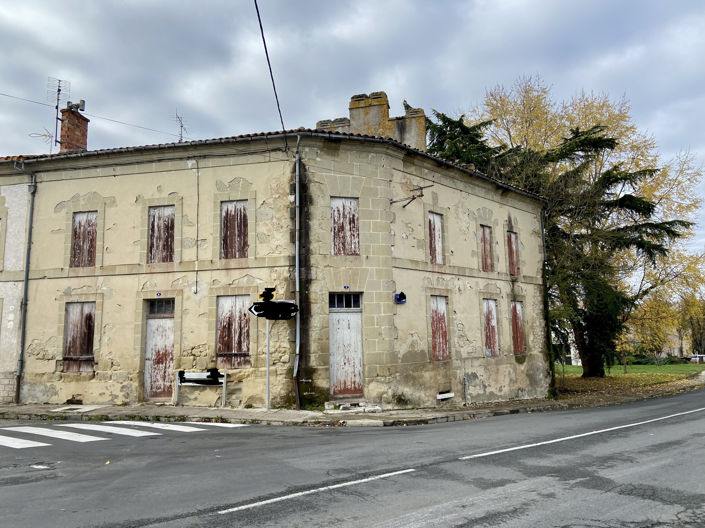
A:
(159, 353)
(345, 338)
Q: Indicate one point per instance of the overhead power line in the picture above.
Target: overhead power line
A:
(271, 75)
(94, 115)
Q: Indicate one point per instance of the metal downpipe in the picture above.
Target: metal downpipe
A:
(23, 321)
(297, 293)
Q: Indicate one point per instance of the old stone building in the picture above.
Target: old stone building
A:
(418, 282)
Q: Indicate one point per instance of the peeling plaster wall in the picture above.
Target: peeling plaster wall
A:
(15, 198)
(395, 257)
(122, 282)
(398, 369)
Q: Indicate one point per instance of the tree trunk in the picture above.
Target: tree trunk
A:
(593, 365)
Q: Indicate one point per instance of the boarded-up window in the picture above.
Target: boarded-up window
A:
(233, 229)
(486, 250)
(79, 323)
(490, 327)
(161, 234)
(518, 328)
(233, 335)
(439, 328)
(83, 239)
(512, 253)
(435, 237)
(345, 231)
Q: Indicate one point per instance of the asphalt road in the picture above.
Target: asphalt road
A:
(635, 465)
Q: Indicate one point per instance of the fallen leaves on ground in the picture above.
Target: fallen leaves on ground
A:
(576, 390)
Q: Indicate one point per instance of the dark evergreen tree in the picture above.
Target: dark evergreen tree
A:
(589, 215)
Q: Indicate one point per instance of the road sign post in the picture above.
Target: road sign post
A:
(267, 364)
(272, 310)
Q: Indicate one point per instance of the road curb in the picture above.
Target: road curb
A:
(399, 418)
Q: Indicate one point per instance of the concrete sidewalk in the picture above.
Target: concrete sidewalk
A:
(332, 418)
(349, 418)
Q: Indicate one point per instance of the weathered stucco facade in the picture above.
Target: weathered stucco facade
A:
(466, 253)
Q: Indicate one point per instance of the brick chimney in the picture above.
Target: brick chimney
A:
(369, 115)
(74, 127)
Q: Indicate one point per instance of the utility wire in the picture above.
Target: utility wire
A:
(132, 125)
(92, 115)
(23, 99)
(271, 75)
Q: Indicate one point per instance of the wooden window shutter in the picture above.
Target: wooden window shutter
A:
(161, 234)
(486, 240)
(83, 239)
(345, 231)
(435, 237)
(439, 328)
(233, 332)
(233, 229)
(518, 342)
(513, 256)
(490, 327)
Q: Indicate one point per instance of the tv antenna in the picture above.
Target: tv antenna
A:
(46, 135)
(417, 193)
(180, 120)
(58, 90)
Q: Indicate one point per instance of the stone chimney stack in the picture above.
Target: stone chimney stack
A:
(74, 127)
(369, 115)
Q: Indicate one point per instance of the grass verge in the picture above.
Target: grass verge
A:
(640, 381)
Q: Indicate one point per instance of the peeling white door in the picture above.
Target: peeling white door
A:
(159, 353)
(345, 338)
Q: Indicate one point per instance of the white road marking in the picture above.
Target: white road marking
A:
(78, 408)
(63, 435)
(110, 429)
(316, 490)
(158, 425)
(573, 437)
(19, 443)
(217, 424)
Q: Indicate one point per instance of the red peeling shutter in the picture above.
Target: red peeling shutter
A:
(487, 262)
(439, 328)
(490, 327)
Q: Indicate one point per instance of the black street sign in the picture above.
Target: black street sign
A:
(274, 310)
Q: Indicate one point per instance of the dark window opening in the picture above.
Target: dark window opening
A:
(79, 324)
(344, 300)
(160, 307)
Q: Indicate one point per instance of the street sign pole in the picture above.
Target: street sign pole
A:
(272, 310)
(267, 364)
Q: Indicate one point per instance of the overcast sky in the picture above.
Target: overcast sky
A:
(142, 61)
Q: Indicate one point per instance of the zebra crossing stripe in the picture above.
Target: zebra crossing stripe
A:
(19, 443)
(217, 424)
(62, 435)
(159, 425)
(110, 429)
